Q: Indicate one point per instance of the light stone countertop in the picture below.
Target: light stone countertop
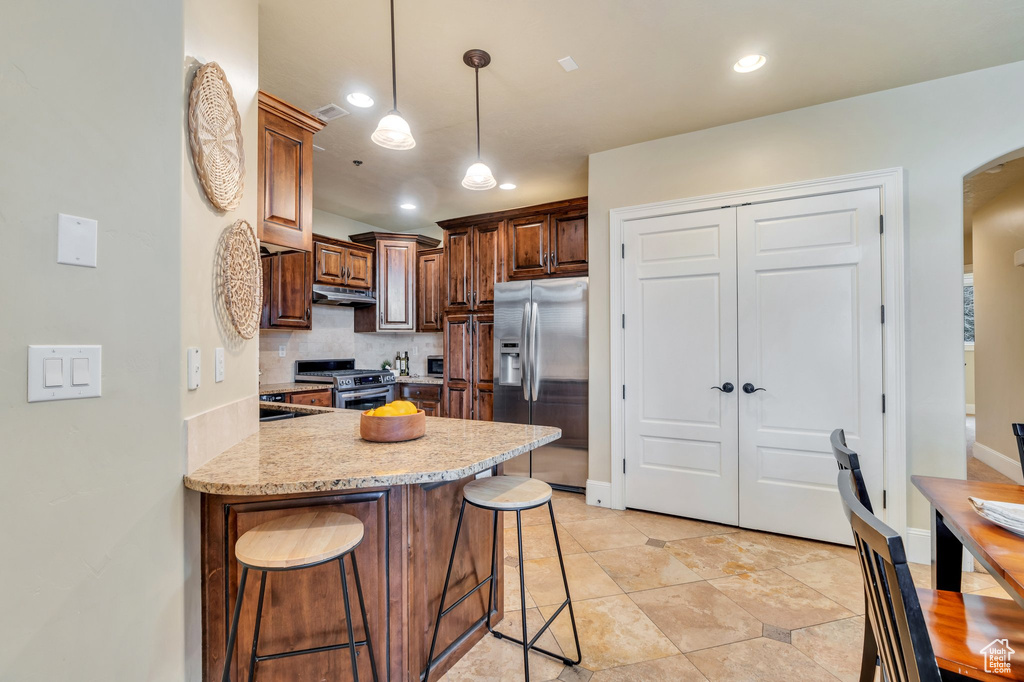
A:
(421, 379)
(267, 389)
(325, 452)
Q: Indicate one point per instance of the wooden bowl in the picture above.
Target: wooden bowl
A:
(392, 429)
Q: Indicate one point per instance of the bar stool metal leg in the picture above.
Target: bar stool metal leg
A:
(522, 594)
(348, 620)
(565, 583)
(226, 677)
(362, 610)
(444, 593)
(256, 629)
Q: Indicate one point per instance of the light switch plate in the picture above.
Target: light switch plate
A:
(39, 357)
(193, 368)
(76, 240)
(218, 365)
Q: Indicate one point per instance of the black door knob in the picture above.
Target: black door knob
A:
(724, 388)
(749, 388)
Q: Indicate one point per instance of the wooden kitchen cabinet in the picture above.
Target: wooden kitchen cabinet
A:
(567, 243)
(395, 276)
(527, 247)
(342, 264)
(429, 311)
(318, 398)
(426, 397)
(473, 264)
(468, 366)
(285, 172)
(287, 290)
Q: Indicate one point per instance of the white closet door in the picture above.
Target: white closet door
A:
(810, 335)
(680, 341)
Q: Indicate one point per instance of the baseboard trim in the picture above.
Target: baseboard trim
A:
(970, 408)
(919, 548)
(599, 493)
(1007, 466)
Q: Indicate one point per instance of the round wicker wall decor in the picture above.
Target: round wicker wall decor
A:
(215, 135)
(243, 278)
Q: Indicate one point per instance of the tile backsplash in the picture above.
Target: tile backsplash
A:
(333, 336)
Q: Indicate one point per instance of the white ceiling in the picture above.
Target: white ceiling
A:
(648, 69)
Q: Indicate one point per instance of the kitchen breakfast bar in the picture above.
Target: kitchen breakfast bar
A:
(407, 496)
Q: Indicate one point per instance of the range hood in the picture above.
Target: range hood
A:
(327, 295)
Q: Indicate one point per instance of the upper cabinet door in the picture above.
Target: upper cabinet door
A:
(291, 298)
(359, 269)
(285, 193)
(487, 267)
(567, 250)
(526, 250)
(396, 294)
(428, 291)
(329, 263)
(458, 254)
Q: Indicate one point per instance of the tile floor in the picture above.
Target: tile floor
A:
(659, 598)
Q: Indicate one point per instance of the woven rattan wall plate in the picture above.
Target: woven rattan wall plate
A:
(215, 135)
(242, 273)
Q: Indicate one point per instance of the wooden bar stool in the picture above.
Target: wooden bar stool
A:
(291, 543)
(507, 494)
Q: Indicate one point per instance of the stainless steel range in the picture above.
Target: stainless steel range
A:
(354, 389)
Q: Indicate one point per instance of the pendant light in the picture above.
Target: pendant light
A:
(479, 175)
(393, 132)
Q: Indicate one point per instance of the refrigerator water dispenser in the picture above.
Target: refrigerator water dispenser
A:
(510, 371)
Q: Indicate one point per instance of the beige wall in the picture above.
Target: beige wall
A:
(340, 227)
(937, 131)
(222, 31)
(999, 326)
(92, 504)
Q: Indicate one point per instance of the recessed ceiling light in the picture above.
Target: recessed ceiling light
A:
(408, 207)
(359, 99)
(568, 63)
(752, 62)
(507, 185)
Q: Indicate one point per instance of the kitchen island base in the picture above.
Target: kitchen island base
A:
(402, 563)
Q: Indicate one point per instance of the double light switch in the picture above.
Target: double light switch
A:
(63, 372)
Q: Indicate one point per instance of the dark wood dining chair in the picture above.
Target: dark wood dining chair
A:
(1018, 433)
(925, 635)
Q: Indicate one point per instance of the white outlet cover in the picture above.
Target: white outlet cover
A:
(282, 351)
(193, 368)
(218, 365)
(76, 240)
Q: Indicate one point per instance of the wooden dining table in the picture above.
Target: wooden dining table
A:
(956, 526)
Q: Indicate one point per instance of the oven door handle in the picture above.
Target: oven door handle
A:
(367, 394)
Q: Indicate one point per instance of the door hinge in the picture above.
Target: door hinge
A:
(885, 498)
(881, 224)
(623, 466)
(623, 391)
(623, 249)
(623, 320)
(883, 313)
(883, 403)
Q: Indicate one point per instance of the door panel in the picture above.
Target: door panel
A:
(568, 251)
(483, 367)
(487, 267)
(527, 255)
(428, 292)
(291, 294)
(397, 263)
(360, 269)
(458, 365)
(458, 252)
(680, 341)
(330, 263)
(811, 335)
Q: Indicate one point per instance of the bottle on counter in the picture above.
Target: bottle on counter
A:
(397, 367)
(405, 363)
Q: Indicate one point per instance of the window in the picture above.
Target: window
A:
(969, 310)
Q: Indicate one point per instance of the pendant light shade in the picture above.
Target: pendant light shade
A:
(478, 176)
(393, 131)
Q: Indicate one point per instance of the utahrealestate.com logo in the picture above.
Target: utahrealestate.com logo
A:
(997, 656)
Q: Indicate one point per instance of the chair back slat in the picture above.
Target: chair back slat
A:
(1018, 433)
(893, 607)
(848, 460)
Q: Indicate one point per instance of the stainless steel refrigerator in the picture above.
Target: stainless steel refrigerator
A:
(540, 373)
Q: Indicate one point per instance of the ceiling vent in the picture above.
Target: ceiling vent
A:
(329, 112)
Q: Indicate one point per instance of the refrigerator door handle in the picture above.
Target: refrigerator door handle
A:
(534, 374)
(524, 357)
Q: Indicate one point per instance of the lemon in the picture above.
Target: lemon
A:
(369, 412)
(386, 411)
(404, 407)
